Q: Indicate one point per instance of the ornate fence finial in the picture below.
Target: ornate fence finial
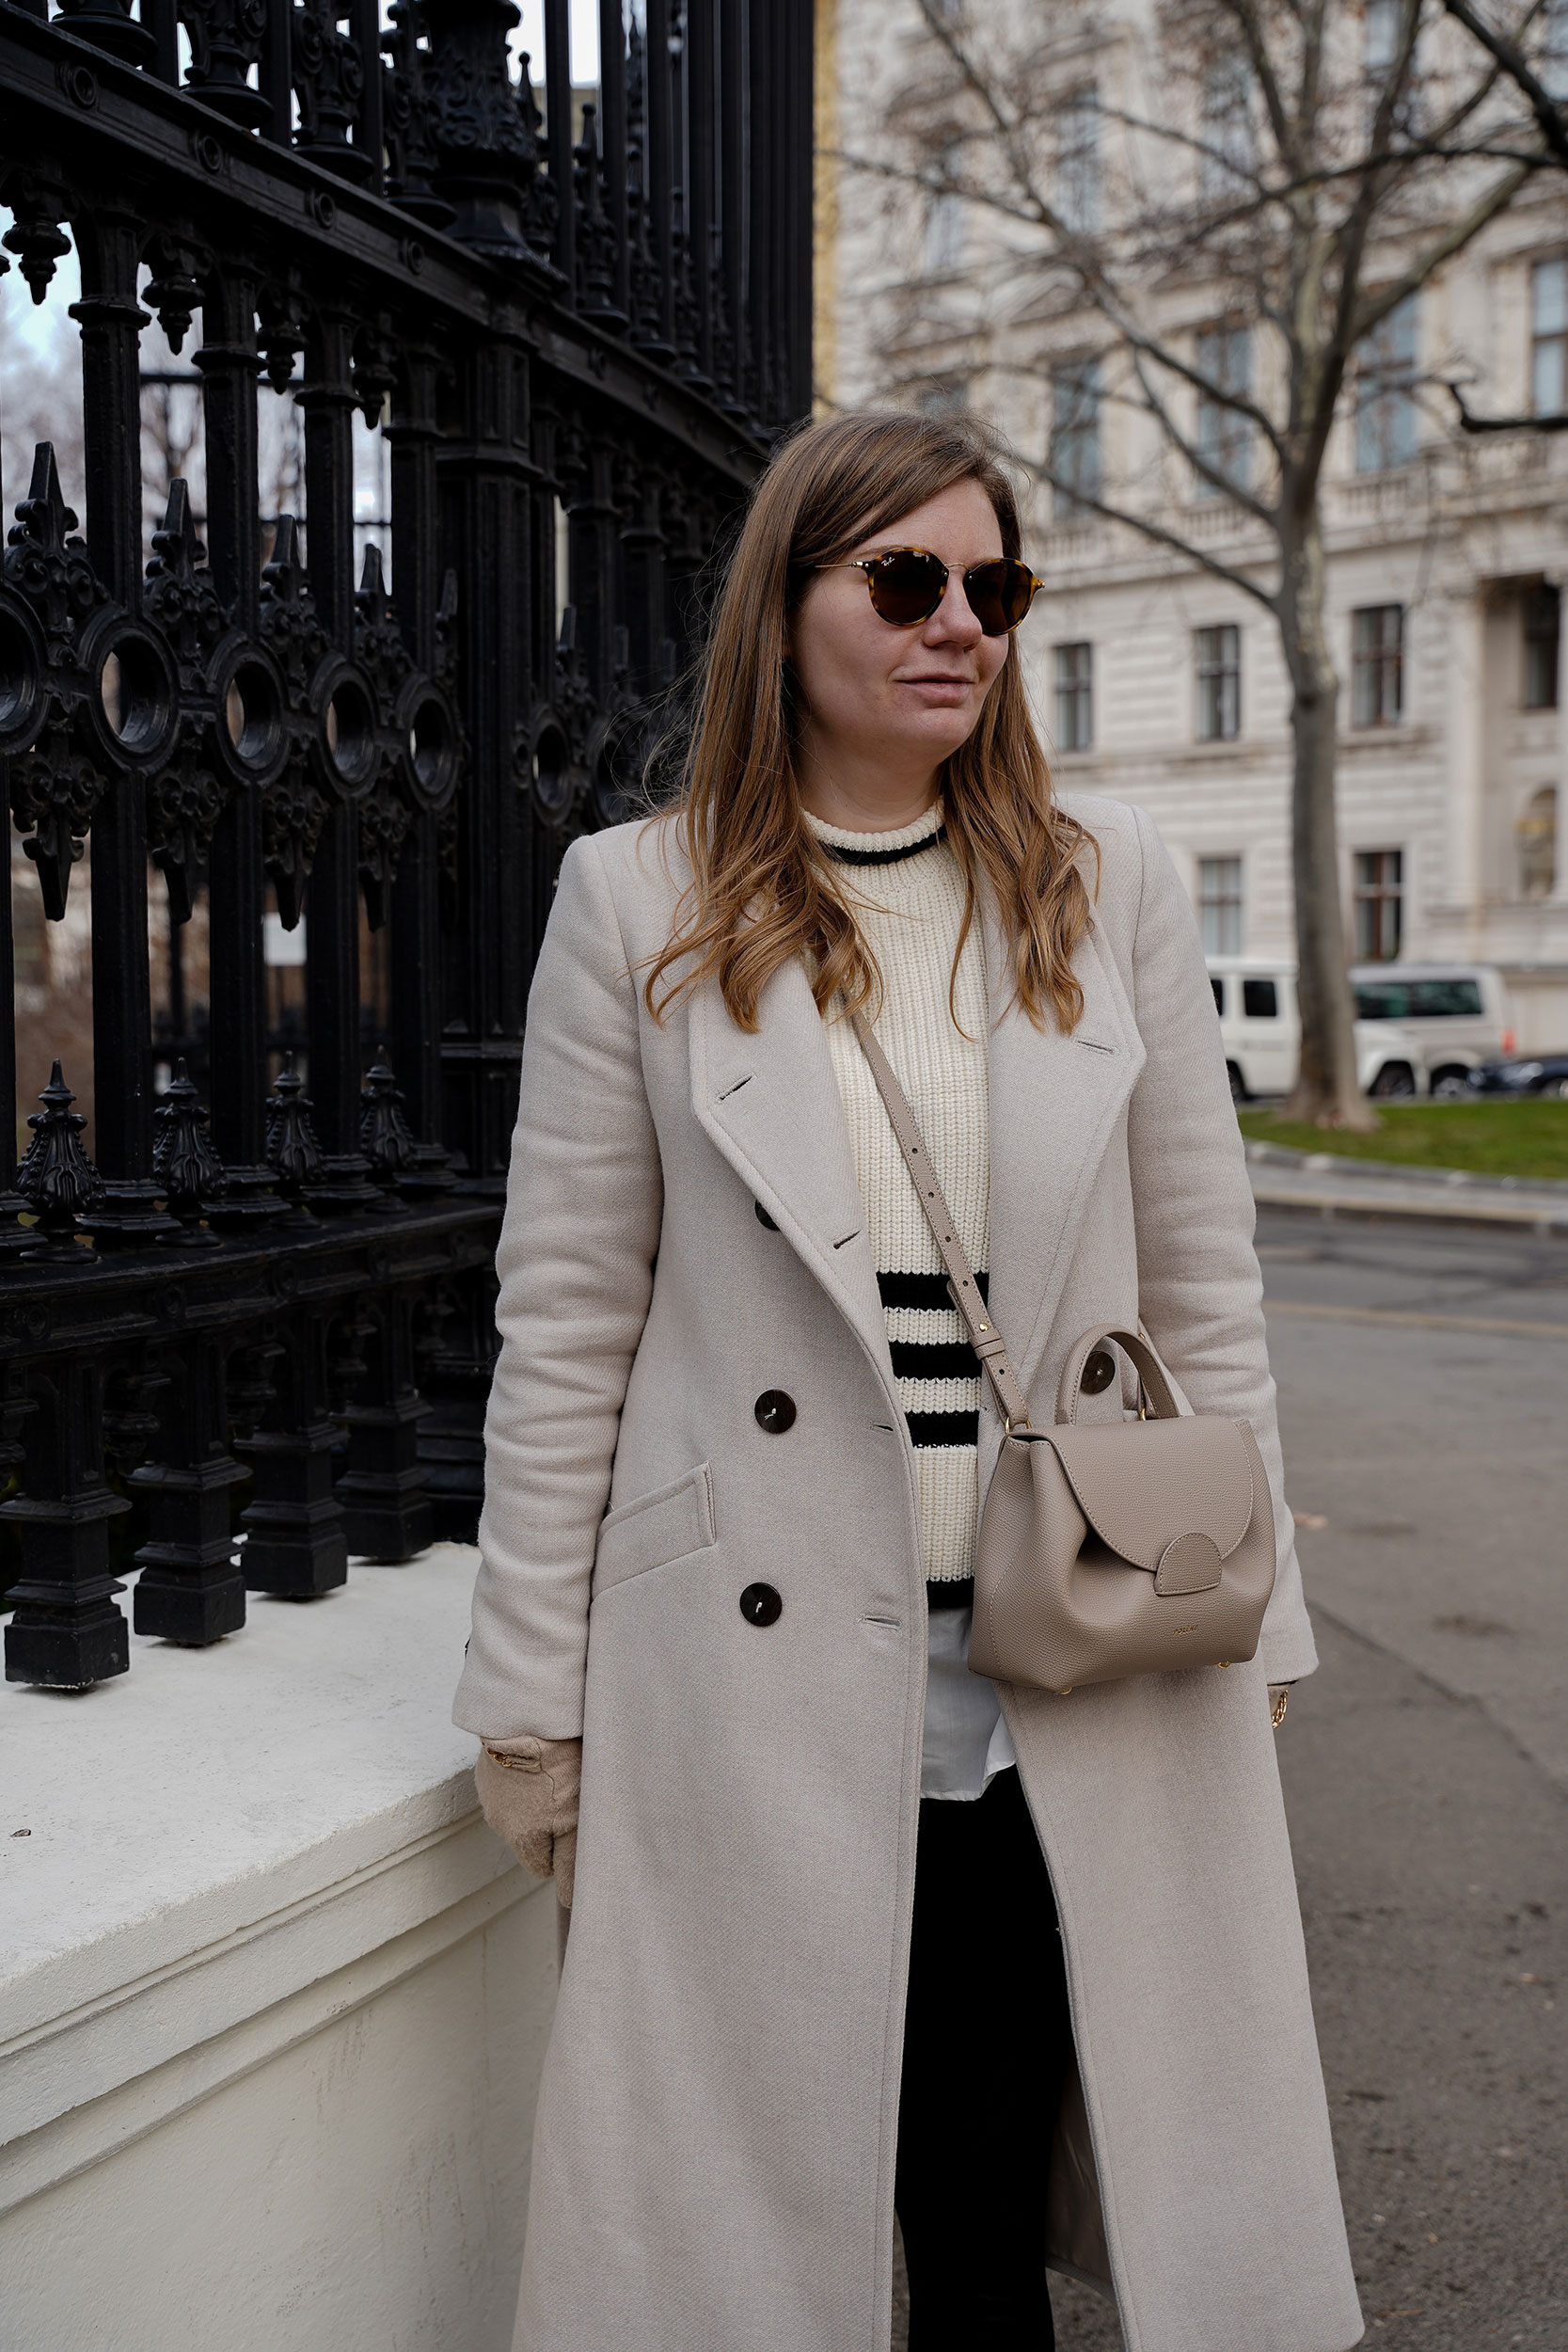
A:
(110, 25)
(384, 1136)
(292, 1148)
(56, 1178)
(485, 133)
(183, 1160)
(227, 38)
(595, 236)
(281, 310)
(408, 116)
(35, 236)
(174, 289)
(329, 83)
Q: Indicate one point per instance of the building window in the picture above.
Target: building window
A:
(1078, 161)
(1548, 327)
(1379, 904)
(1387, 415)
(1075, 433)
(1219, 905)
(1536, 833)
(1074, 698)
(1223, 357)
(1381, 36)
(1377, 665)
(1542, 633)
(1219, 684)
(1227, 159)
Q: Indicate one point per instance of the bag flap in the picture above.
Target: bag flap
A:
(1141, 1485)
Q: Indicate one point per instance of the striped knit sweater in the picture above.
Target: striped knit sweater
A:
(907, 895)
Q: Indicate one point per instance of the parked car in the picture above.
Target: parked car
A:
(1452, 1018)
(1539, 1073)
(1455, 1016)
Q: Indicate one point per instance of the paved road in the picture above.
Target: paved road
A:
(1423, 1379)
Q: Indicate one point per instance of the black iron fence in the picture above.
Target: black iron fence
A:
(579, 319)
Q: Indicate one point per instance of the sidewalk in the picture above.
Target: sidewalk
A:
(1335, 1185)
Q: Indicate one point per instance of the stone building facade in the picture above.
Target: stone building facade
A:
(1161, 684)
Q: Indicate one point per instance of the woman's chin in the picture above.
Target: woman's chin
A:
(934, 735)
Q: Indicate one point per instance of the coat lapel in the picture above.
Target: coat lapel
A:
(771, 1105)
(1055, 1101)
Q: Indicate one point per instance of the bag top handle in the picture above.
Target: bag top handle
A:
(984, 1337)
(1152, 1372)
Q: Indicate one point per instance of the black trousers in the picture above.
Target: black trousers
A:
(986, 2038)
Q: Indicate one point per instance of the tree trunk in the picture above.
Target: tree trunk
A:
(1327, 1090)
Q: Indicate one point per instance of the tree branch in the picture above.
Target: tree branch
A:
(1511, 57)
(1250, 24)
(1555, 421)
(1375, 309)
(1147, 529)
(1190, 451)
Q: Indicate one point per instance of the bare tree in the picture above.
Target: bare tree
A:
(1234, 227)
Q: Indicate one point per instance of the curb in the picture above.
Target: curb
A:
(1331, 1184)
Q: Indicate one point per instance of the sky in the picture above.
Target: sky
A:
(585, 38)
(22, 324)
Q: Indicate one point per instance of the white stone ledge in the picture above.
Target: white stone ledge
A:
(244, 1868)
(71, 2138)
(207, 1790)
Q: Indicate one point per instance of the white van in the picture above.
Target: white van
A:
(1419, 1027)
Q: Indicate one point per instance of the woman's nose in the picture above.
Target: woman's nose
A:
(953, 621)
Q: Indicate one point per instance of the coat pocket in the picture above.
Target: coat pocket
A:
(666, 1525)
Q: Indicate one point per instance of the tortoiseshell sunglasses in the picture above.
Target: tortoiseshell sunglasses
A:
(908, 584)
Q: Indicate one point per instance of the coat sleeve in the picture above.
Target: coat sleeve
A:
(1199, 1289)
(584, 1203)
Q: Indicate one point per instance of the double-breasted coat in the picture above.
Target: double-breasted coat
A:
(713, 2160)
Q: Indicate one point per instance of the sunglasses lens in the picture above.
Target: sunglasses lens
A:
(1000, 593)
(906, 585)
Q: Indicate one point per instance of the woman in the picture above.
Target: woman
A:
(815, 1969)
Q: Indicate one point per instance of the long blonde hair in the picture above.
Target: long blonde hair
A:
(762, 892)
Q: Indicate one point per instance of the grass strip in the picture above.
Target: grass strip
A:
(1527, 1140)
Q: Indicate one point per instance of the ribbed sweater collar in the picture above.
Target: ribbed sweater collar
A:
(880, 849)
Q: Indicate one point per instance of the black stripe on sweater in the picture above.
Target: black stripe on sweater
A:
(934, 1360)
(923, 1289)
(885, 857)
(943, 1428)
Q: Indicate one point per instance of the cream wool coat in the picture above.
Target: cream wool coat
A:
(712, 2158)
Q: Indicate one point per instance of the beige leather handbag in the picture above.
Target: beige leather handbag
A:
(1111, 1548)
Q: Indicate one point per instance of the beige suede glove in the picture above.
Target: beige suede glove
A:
(528, 1790)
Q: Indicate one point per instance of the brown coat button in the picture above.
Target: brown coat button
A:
(775, 1412)
(761, 1604)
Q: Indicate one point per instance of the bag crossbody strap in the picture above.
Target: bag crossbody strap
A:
(984, 1337)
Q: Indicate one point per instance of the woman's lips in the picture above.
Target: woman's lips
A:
(939, 689)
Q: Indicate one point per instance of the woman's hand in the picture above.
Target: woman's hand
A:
(529, 1790)
(1279, 1696)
